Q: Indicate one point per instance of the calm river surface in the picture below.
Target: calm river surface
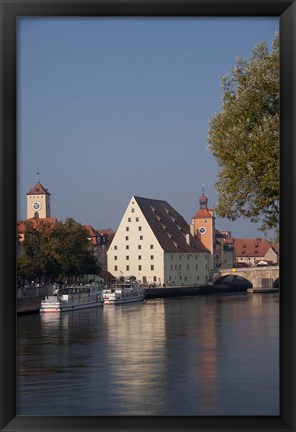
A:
(205, 355)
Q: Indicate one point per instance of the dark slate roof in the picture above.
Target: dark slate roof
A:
(169, 227)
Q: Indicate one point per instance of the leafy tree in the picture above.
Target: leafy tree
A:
(72, 248)
(244, 139)
(57, 251)
(37, 260)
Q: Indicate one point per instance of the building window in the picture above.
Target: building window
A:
(129, 219)
(133, 210)
(171, 257)
(115, 247)
(139, 257)
(127, 229)
(141, 237)
(151, 247)
(180, 256)
(127, 257)
(137, 219)
(196, 267)
(139, 267)
(115, 268)
(176, 267)
(126, 238)
(139, 247)
(115, 258)
(127, 268)
(140, 228)
(187, 266)
(127, 247)
(152, 267)
(180, 267)
(172, 266)
(152, 257)
(154, 278)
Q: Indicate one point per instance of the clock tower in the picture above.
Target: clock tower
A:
(203, 226)
(38, 202)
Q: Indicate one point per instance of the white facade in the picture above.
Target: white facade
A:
(186, 268)
(136, 250)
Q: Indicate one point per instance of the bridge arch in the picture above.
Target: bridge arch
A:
(276, 283)
(232, 279)
(257, 276)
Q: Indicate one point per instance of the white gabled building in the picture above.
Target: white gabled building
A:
(153, 243)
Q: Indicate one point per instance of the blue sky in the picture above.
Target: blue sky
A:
(109, 108)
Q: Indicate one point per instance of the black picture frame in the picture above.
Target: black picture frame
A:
(10, 10)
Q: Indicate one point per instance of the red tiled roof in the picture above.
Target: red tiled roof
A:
(92, 233)
(38, 189)
(21, 225)
(109, 234)
(229, 240)
(202, 213)
(275, 246)
(95, 234)
(106, 275)
(169, 227)
(251, 247)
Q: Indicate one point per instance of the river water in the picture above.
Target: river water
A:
(205, 355)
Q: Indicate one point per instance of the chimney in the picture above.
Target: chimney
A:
(187, 238)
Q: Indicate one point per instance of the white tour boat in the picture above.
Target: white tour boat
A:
(72, 299)
(123, 293)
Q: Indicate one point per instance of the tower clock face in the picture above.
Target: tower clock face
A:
(36, 205)
(202, 230)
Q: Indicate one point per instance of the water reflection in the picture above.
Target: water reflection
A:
(210, 355)
(135, 355)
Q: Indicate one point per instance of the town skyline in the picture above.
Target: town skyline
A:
(109, 109)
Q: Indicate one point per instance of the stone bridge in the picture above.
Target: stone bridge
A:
(260, 277)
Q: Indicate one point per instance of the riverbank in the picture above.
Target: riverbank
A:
(180, 291)
(28, 305)
(32, 305)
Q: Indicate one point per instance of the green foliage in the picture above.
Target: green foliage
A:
(56, 252)
(244, 139)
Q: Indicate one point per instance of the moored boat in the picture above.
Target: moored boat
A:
(123, 293)
(72, 299)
